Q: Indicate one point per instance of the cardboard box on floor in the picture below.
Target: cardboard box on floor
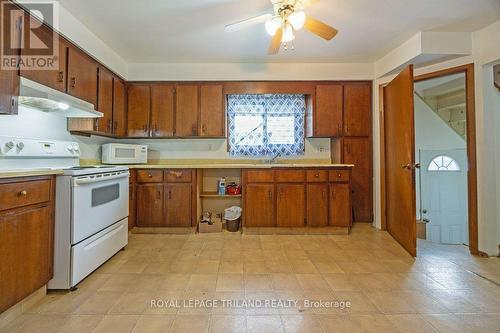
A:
(209, 228)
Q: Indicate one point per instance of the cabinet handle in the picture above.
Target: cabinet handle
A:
(150, 175)
(339, 126)
(323, 194)
(170, 194)
(115, 126)
(110, 125)
(60, 76)
(347, 128)
(339, 175)
(96, 124)
(333, 193)
(145, 128)
(316, 175)
(73, 82)
(193, 130)
(158, 195)
(270, 194)
(23, 193)
(348, 149)
(203, 128)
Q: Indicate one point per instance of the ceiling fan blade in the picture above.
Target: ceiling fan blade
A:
(275, 45)
(247, 23)
(301, 4)
(319, 28)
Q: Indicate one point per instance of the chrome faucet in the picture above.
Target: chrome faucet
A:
(273, 159)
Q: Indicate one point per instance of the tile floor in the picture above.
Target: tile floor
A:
(443, 290)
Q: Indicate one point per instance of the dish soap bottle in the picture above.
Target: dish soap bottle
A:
(222, 186)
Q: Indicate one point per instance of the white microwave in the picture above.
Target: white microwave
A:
(118, 153)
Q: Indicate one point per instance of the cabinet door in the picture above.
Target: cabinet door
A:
(9, 79)
(327, 117)
(26, 253)
(340, 205)
(186, 110)
(149, 205)
(52, 77)
(212, 110)
(82, 76)
(105, 101)
(259, 205)
(290, 205)
(162, 111)
(357, 112)
(131, 206)
(317, 205)
(178, 205)
(138, 102)
(357, 151)
(119, 108)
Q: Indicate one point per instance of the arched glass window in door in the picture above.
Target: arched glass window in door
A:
(443, 163)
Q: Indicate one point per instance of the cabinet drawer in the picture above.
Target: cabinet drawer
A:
(290, 176)
(339, 176)
(260, 176)
(24, 193)
(314, 176)
(149, 176)
(178, 176)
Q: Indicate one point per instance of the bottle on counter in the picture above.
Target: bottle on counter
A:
(221, 186)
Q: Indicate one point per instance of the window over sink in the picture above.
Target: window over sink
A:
(266, 125)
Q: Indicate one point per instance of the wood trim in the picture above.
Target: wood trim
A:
(468, 69)
(383, 204)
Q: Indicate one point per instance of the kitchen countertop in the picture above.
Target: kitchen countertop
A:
(29, 172)
(238, 166)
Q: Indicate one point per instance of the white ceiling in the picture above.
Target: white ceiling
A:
(193, 30)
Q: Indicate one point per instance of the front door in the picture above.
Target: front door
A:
(400, 160)
(443, 185)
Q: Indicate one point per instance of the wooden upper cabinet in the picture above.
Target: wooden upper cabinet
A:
(162, 110)
(212, 110)
(52, 77)
(105, 101)
(186, 112)
(139, 102)
(9, 79)
(119, 108)
(82, 76)
(357, 151)
(340, 205)
(328, 113)
(290, 205)
(357, 110)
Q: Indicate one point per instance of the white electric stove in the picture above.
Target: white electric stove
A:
(91, 219)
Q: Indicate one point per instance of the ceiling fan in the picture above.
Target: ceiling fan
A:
(288, 17)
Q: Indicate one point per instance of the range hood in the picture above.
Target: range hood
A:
(37, 96)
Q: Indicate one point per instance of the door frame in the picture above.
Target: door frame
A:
(468, 70)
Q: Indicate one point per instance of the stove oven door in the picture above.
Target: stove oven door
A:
(98, 201)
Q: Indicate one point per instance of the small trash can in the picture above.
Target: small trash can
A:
(232, 216)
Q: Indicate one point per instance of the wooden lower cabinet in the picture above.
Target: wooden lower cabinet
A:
(259, 205)
(290, 205)
(149, 205)
(317, 205)
(340, 205)
(178, 205)
(26, 245)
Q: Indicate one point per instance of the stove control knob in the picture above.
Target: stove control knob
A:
(70, 148)
(20, 145)
(9, 145)
(76, 148)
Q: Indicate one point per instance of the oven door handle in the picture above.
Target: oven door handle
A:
(102, 178)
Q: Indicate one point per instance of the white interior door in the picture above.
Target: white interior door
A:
(443, 182)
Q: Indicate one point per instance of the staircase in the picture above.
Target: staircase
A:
(448, 101)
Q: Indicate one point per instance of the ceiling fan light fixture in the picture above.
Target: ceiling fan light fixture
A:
(273, 24)
(297, 20)
(288, 35)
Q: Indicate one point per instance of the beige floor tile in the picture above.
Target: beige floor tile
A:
(190, 323)
(231, 266)
(39, 323)
(157, 267)
(255, 267)
(303, 267)
(230, 282)
(312, 282)
(119, 282)
(207, 267)
(301, 324)
(376, 323)
(99, 303)
(202, 282)
(116, 323)
(147, 283)
(165, 302)
(258, 282)
(283, 281)
(94, 281)
(132, 303)
(133, 266)
(153, 324)
(411, 323)
(62, 303)
(264, 324)
(339, 323)
(227, 324)
(341, 282)
(174, 282)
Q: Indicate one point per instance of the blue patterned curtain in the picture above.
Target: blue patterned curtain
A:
(266, 125)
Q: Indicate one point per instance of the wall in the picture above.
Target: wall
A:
(431, 133)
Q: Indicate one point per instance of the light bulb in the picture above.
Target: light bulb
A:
(62, 106)
(272, 25)
(288, 35)
(297, 20)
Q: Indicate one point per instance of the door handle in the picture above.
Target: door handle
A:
(424, 211)
(73, 82)
(406, 166)
(426, 220)
(417, 165)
